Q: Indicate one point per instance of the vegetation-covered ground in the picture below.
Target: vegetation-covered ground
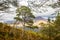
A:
(10, 33)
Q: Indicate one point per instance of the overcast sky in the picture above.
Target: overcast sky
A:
(48, 10)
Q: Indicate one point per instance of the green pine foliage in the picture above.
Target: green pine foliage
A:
(24, 15)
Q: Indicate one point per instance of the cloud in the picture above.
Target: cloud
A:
(10, 16)
(49, 12)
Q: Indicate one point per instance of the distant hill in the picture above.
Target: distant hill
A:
(9, 21)
(39, 18)
(36, 19)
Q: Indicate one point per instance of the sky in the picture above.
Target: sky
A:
(48, 10)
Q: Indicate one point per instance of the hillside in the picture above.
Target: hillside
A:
(10, 33)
